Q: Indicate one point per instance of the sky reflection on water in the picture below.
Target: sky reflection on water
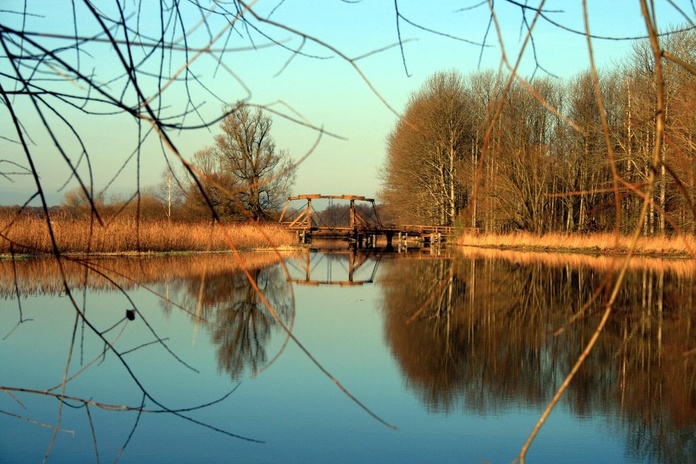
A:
(298, 413)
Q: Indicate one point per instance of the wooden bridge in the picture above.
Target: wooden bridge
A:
(363, 227)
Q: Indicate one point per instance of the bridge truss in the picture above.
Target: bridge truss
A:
(363, 228)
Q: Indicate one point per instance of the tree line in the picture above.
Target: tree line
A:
(537, 156)
(241, 176)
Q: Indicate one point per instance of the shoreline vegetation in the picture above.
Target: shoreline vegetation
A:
(682, 246)
(28, 236)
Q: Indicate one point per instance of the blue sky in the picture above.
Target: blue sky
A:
(323, 89)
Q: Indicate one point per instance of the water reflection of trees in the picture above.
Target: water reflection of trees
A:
(240, 322)
(488, 334)
(45, 276)
(212, 289)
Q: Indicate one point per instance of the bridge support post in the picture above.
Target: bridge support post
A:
(304, 236)
(403, 241)
(370, 241)
(390, 236)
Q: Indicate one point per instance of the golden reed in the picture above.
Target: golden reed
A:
(28, 234)
(601, 243)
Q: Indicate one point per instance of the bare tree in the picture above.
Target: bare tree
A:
(214, 194)
(260, 175)
(523, 179)
(243, 175)
(426, 152)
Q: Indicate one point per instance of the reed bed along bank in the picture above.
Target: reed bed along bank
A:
(603, 243)
(29, 235)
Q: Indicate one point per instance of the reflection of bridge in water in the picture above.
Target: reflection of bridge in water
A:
(341, 267)
(363, 227)
(347, 267)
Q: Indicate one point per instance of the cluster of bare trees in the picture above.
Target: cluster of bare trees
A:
(243, 174)
(474, 151)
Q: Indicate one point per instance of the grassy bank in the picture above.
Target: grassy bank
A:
(603, 243)
(29, 235)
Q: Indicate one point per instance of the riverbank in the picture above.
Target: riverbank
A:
(30, 236)
(598, 243)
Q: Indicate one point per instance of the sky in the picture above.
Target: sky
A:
(333, 104)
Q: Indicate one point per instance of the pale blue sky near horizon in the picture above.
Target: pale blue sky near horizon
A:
(324, 90)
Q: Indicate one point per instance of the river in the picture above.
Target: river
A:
(338, 356)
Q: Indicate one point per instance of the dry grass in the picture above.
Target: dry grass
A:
(126, 235)
(604, 243)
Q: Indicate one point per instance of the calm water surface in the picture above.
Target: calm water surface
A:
(447, 360)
